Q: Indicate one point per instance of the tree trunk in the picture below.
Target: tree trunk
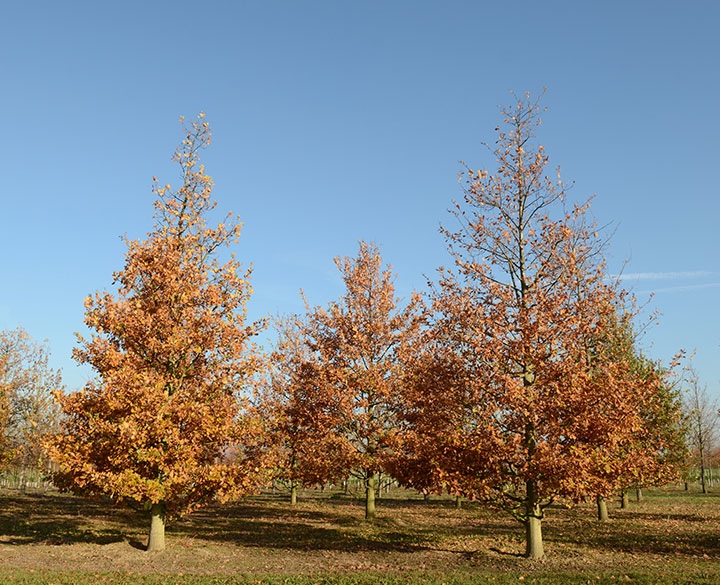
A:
(602, 510)
(426, 496)
(293, 493)
(370, 480)
(702, 472)
(624, 502)
(533, 534)
(458, 502)
(686, 486)
(156, 541)
(533, 524)
(638, 494)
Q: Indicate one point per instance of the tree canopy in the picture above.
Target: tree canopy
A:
(163, 422)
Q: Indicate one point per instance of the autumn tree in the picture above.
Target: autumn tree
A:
(163, 423)
(359, 345)
(27, 384)
(300, 410)
(703, 421)
(650, 455)
(516, 413)
(659, 452)
(10, 341)
(655, 452)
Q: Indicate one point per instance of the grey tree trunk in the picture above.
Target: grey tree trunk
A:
(533, 534)
(370, 481)
(624, 502)
(638, 495)
(533, 524)
(602, 510)
(702, 471)
(293, 493)
(156, 540)
(458, 502)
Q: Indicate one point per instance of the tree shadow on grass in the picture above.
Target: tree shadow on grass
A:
(643, 533)
(55, 520)
(137, 544)
(267, 524)
(650, 517)
(254, 522)
(506, 553)
(268, 527)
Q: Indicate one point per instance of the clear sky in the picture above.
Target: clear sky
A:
(340, 120)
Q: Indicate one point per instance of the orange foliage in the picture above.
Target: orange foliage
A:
(505, 403)
(299, 407)
(163, 418)
(358, 347)
(27, 408)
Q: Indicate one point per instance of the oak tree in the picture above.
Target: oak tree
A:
(508, 407)
(359, 345)
(654, 453)
(27, 384)
(299, 408)
(163, 423)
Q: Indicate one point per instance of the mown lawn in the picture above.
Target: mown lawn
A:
(670, 537)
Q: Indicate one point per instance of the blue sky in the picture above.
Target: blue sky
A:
(335, 121)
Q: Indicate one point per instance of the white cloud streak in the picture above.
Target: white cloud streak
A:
(661, 275)
(681, 288)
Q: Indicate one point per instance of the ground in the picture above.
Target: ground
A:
(671, 536)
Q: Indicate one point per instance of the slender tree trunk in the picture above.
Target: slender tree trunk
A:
(458, 502)
(702, 472)
(602, 510)
(686, 486)
(426, 496)
(638, 494)
(156, 541)
(293, 493)
(624, 502)
(533, 524)
(346, 486)
(370, 480)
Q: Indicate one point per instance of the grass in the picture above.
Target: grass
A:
(670, 537)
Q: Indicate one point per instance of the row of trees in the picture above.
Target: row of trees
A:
(28, 411)
(514, 380)
(517, 382)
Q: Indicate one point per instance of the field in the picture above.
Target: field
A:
(670, 537)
